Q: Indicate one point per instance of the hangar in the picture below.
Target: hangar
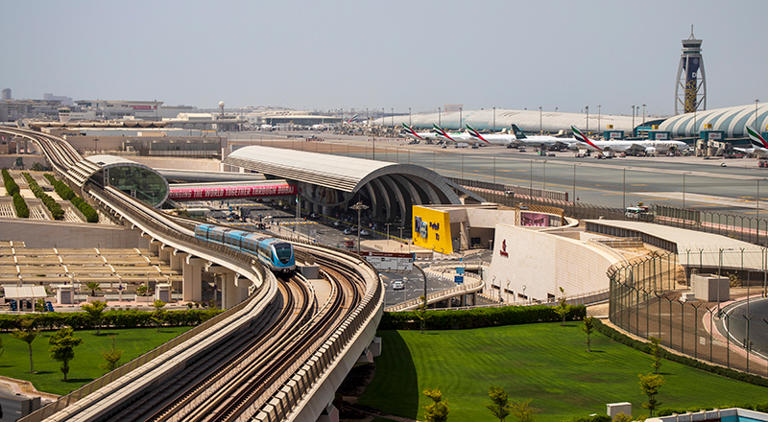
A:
(329, 183)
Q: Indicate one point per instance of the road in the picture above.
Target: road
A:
(758, 325)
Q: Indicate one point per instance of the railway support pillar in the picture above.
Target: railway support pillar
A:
(165, 253)
(192, 275)
(463, 300)
(233, 290)
(330, 414)
(154, 246)
(177, 260)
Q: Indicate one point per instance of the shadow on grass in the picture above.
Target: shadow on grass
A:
(77, 380)
(408, 385)
(596, 351)
(394, 389)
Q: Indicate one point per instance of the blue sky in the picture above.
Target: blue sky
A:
(419, 54)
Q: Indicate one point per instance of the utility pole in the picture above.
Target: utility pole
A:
(461, 117)
(439, 117)
(359, 206)
(586, 109)
(624, 188)
(599, 128)
(494, 119)
(541, 122)
(409, 117)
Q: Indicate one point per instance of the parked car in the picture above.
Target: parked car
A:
(398, 285)
(364, 232)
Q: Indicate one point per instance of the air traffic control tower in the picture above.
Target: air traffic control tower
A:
(691, 87)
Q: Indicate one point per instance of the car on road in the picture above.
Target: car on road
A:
(364, 232)
(349, 230)
(398, 285)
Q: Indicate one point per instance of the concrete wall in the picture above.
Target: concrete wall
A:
(41, 234)
(543, 262)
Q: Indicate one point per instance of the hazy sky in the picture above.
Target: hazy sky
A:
(420, 54)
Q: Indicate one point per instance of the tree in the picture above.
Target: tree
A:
(27, 333)
(562, 308)
(95, 311)
(522, 410)
(651, 384)
(158, 314)
(621, 417)
(499, 403)
(112, 357)
(62, 349)
(93, 287)
(589, 326)
(438, 410)
(656, 353)
(142, 290)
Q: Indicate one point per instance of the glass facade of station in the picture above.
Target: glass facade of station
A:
(138, 182)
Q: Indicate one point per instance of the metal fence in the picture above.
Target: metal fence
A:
(738, 226)
(646, 299)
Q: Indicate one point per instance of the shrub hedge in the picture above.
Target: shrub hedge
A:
(111, 319)
(759, 407)
(49, 202)
(22, 211)
(477, 318)
(645, 348)
(595, 418)
(10, 185)
(65, 192)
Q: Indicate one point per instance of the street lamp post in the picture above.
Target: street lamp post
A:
(359, 206)
(633, 119)
(598, 119)
(461, 117)
(494, 119)
(439, 116)
(409, 117)
(586, 109)
(643, 114)
(541, 122)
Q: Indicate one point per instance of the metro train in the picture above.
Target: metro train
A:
(276, 254)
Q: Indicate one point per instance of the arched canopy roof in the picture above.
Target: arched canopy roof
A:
(731, 120)
(134, 178)
(332, 171)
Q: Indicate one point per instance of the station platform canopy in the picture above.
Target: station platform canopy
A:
(328, 181)
(135, 179)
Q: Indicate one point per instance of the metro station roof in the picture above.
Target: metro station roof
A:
(129, 176)
(332, 171)
(731, 120)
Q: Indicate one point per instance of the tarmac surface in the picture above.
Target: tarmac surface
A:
(617, 182)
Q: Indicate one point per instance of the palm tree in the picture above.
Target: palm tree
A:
(27, 333)
(95, 311)
(93, 287)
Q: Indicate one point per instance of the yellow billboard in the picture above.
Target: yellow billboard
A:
(432, 229)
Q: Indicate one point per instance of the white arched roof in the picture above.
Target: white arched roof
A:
(731, 120)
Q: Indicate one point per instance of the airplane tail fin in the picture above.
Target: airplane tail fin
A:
(579, 135)
(518, 133)
(756, 139)
(475, 134)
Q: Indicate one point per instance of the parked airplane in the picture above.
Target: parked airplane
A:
(493, 138)
(648, 147)
(547, 141)
(459, 139)
(758, 144)
(352, 119)
(427, 137)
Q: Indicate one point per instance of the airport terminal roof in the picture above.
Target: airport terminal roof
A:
(527, 120)
(731, 120)
(332, 171)
(694, 248)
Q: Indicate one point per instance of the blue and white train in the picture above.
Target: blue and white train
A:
(276, 254)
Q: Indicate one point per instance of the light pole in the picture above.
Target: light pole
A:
(586, 110)
(461, 117)
(409, 117)
(494, 119)
(530, 190)
(633, 119)
(573, 199)
(683, 190)
(359, 206)
(599, 128)
(393, 116)
(624, 188)
(439, 116)
(541, 122)
(643, 114)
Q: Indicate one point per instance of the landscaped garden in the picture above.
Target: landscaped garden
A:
(89, 361)
(545, 362)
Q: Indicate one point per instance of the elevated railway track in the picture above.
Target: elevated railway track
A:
(279, 355)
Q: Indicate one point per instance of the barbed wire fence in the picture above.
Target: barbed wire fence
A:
(650, 297)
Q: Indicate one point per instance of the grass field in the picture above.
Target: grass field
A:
(544, 362)
(84, 368)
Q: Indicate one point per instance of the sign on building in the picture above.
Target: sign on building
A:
(389, 261)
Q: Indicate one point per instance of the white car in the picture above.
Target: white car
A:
(398, 285)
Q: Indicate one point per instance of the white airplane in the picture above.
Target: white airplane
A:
(548, 141)
(460, 139)
(352, 119)
(646, 146)
(493, 138)
(759, 146)
(427, 137)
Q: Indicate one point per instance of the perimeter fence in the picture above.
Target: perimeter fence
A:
(737, 226)
(650, 297)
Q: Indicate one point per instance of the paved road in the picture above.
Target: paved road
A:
(758, 325)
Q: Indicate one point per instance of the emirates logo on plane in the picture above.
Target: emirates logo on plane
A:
(503, 251)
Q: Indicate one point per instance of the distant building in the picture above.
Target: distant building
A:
(119, 109)
(12, 110)
(66, 101)
(6, 94)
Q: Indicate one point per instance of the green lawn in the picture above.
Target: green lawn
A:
(84, 368)
(544, 362)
